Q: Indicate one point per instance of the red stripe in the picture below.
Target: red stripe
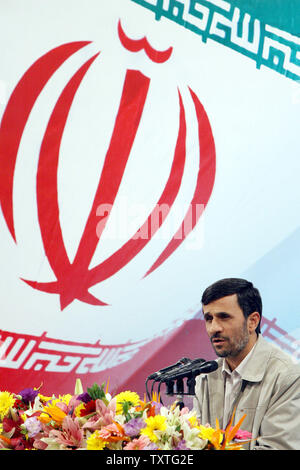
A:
(128, 251)
(204, 185)
(72, 278)
(47, 191)
(127, 121)
(16, 114)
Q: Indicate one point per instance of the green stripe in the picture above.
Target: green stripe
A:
(282, 14)
(273, 49)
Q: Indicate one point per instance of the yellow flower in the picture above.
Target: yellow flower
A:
(131, 398)
(78, 409)
(6, 402)
(94, 442)
(154, 423)
(207, 433)
(193, 421)
(65, 398)
(44, 398)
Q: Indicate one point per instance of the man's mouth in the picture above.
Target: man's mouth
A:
(218, 341)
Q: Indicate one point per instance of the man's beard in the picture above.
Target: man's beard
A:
(234, 345)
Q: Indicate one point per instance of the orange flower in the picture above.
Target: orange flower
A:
(5, 439)
(52, 412)
(229, 433)
(151, 411)
(150, 405)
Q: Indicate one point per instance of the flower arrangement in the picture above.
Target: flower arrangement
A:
(94, 420)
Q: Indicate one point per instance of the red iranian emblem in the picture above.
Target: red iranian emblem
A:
(74, 279)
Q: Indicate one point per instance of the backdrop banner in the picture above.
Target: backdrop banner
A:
(147, 149)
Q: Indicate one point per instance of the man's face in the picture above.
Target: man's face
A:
(227, 327)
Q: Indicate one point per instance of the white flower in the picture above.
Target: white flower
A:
(33, 426)
(120, 419)
(191, 437)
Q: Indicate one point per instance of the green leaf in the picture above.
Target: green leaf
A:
(125, 406)
(97, 392)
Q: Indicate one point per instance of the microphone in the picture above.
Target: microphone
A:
(199, 366)
(157, 375)
(207, 367)
(168, 375)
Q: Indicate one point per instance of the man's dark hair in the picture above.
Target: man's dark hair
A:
(248, 296)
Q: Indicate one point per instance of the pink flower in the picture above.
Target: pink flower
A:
(138, 444)
(73, 403)
(242, 435)
(63, 406)
(38, 444)
(104, 416)
(106, 432)
(71, 434)
(106, 412)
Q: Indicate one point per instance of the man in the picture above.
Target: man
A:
(254, 377)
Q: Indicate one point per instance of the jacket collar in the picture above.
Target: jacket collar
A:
(257, 364)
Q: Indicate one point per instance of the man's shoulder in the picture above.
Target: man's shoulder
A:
(276, 352)
(279, 359)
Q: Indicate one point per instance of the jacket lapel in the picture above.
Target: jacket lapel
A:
(216, 395)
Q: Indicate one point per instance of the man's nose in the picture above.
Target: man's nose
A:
(215, 327)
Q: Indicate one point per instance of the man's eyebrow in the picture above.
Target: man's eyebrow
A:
(216, 313)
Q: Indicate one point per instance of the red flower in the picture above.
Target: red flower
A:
(20, 405)
(18, 443)
(9, 424)
(89, 408)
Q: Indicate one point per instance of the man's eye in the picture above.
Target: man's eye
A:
(224, 316)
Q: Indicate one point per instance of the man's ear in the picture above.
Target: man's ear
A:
(253, 321)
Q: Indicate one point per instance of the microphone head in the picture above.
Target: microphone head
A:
(184, 360)
(196, 367)
(180, 363)
(209, 366)
(183, 370)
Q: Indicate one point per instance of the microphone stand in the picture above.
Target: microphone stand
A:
(190, 373)
(180, 393)
(179, 388)
(156, 375)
